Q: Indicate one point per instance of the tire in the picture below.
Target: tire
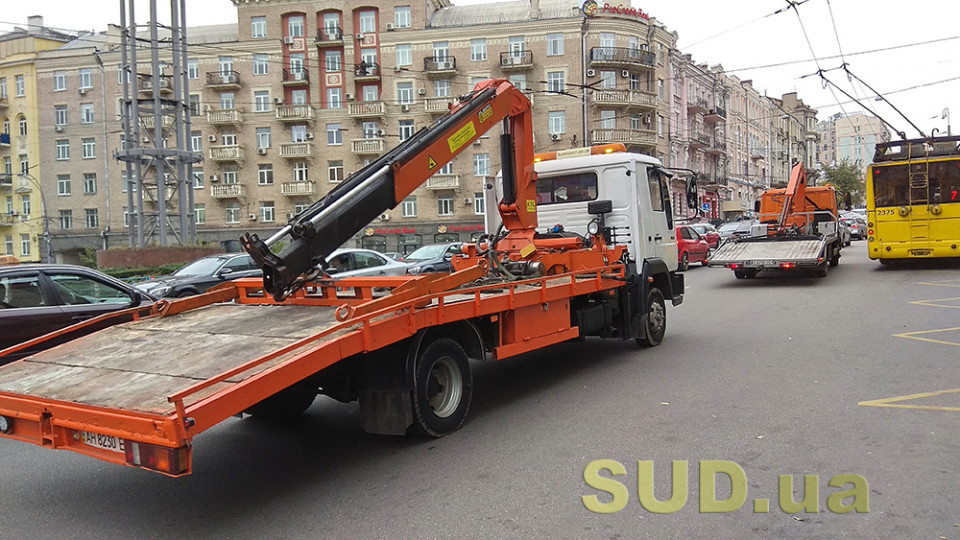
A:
(684, 263)
(442, 389)
(821, 271)
(286, 404)
(745, 274)
(186, 293)
(654, 320)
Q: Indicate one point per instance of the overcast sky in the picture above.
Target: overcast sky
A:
(904, 50)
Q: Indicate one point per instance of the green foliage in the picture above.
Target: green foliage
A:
(88, 258)
(846, 178)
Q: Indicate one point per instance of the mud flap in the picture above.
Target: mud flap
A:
(385, 412)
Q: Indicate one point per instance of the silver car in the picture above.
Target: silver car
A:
(362, 262)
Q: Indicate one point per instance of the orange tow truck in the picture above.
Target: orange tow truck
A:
(137, 393)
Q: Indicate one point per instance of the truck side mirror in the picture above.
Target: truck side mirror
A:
(756, 206)
(692, 199)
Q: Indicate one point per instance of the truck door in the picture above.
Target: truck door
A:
(659, 237)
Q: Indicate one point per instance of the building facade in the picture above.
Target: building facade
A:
(852, 137)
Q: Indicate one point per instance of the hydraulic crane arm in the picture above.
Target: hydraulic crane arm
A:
(796, 191)
(382, 185)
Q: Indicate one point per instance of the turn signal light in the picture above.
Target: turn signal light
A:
(172, 461)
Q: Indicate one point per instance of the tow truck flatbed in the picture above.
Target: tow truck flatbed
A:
(764, 252)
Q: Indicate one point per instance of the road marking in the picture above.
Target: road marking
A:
(894, 402)
(937, 302)
(942, 283)
(915, 335)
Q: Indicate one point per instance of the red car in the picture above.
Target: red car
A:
(709, 233)
(691, 247)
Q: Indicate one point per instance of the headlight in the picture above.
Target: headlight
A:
(414, 270)
(593, 227)
(161, 291)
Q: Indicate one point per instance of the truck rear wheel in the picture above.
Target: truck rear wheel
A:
(654, 320)
(442, 388)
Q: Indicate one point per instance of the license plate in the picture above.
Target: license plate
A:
(103, 442)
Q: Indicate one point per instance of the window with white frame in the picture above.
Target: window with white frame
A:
(88, 148)
(335, 171)
(196, 141)
(334, 98)
(63, 185)
(660, 125)
(331, 24)
(301, 173)
(63, 149)
(8, 244)
(3, 88)
(520, 81)
(660, 88)
(408, 208)
(258, 27)
(608, 119)
(198, 178)
(267, 212)
(9, 204)
(227, 100)
(231, 175)
(86, 78)
(478, 50)
(298, 133)
(25, 244)
(608, 79)
(445, 205)
(404, 55)
(557, 122)
(25, 205)
(401, 16)
(441, 88)
(265, 174)
(332, 61)
(193, 105)
(261, 101)
(516, 45)
(298, 97)
(91, 218)
(295, 26)
(481, 164)
(86, 113)
(370, 92)
(405, 93)
(370, 130)
(200, 213)
(18, 81)
(479, 204)
(60, 115)
(263, 137)
(261, 64)
(446, 169)
(554, 44)
(634, 81)
(334, 134)
(405, 129)
(193, 70)
(228, 138)
(556, 81)
(66, 219)
(441, 51)
(635, 121)
(89, 183)
(22, 126)
(231, 213)
(368, 22)
(59, 81)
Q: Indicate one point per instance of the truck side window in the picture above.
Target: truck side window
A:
(574, 187)
(659, 194)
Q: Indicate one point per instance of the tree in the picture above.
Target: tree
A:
(846, 178)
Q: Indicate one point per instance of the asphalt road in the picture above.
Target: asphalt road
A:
(766, 375)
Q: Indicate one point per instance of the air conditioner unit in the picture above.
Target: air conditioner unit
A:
(288, 40)
(206, 108)
(444, 64)
(591, 73)
(58, 129)
(516, 60)
(467, 200)
(397, 69)
(381, 133)
(476, 142)
(359, 37)
(278, 101)
(384, 217)
(422, 92)
(625, 73)
(214, 178)
(647, 118)
(290, 215)
(405, 108)
(212, 138)
(83, 91)
(253, 217)
(262, 151)
(349, 96)
(145, 140)
(309, 136)
(389, 27)
(555, 136)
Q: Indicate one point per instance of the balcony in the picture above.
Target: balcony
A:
(625, 98)
(148, 122)
(7, 220)
(718, 147)
(145, 84)
(227, 154)
(364, 72)
(297, 150)
(627, 136)
(296, 113)
(622, 57)
(367, 109)
(224, 117)
(297, 189)
(3, 104)
(511, 61)
(226, 191)
(151, 190)
(440, 105)
(443, 181)
(435, 66)
(367, 146)
(296, 77)
(715, 115)
(6, 180)
(4, 140)
(697, 105)
(699, 141)
(757, 154)
(331, 36)
(223, 80)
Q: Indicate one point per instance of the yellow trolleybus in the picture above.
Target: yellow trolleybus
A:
(913, 199)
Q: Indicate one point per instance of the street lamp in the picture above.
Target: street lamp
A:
(43, 213)
(946, 114)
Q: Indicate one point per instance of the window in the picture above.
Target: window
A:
(267, 211)
(88, 148)
(295, 26)
(608, 79)
(660, 125)
(22, 126)
(516, 45)
(258, 27)
(298, 97)
(445, 206)
(371, 92)
(265, 174)
(63, 184)
(25, 244)
(263, 137)
(194, 105)
(298, 133)
(368, 22)
(196, 141)
(554, 44)
(198, 178)
(334, 98)
(570, 187)
(261, 101)
(479, 204)
(59, 81)
(556, 122)
(334, 135)
(9, 204)
(332, 61)
(481, 164)
(86, 78)
(555, 81)
(228, 138)
(520, 81)
(478, 50)
(406, 129)
(335, 171)
(66, 219)
(200, 213)
(89, 183)
(441, 88)
(401, 16)
(408, 208)
(404, 55)
(261, 64)
(3, 88)
(660, 88)
(8, 244)
(370, 130)
(19, 84)
(63, 149)
(193, 69)
(608, 119)
(331, 25)
(405, 93)
(25, 205)
(91, 218)
(232, 212)
(86, 113)
(301, 173)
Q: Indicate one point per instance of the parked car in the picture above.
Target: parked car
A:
(36, 299)
(395, 255)
(691, 247)
(201, 274)
(708, 232)
(735, 229)
(856, 224)
(362, 262)
(432, 258)
(845, 234)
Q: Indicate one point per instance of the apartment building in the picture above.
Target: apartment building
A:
(851, 137)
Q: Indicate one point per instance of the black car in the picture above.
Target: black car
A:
(432, 258)
(735, 229)
(202, 274)
(36, 299)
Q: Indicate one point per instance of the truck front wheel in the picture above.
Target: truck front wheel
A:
(443, 387)
(654, 320)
